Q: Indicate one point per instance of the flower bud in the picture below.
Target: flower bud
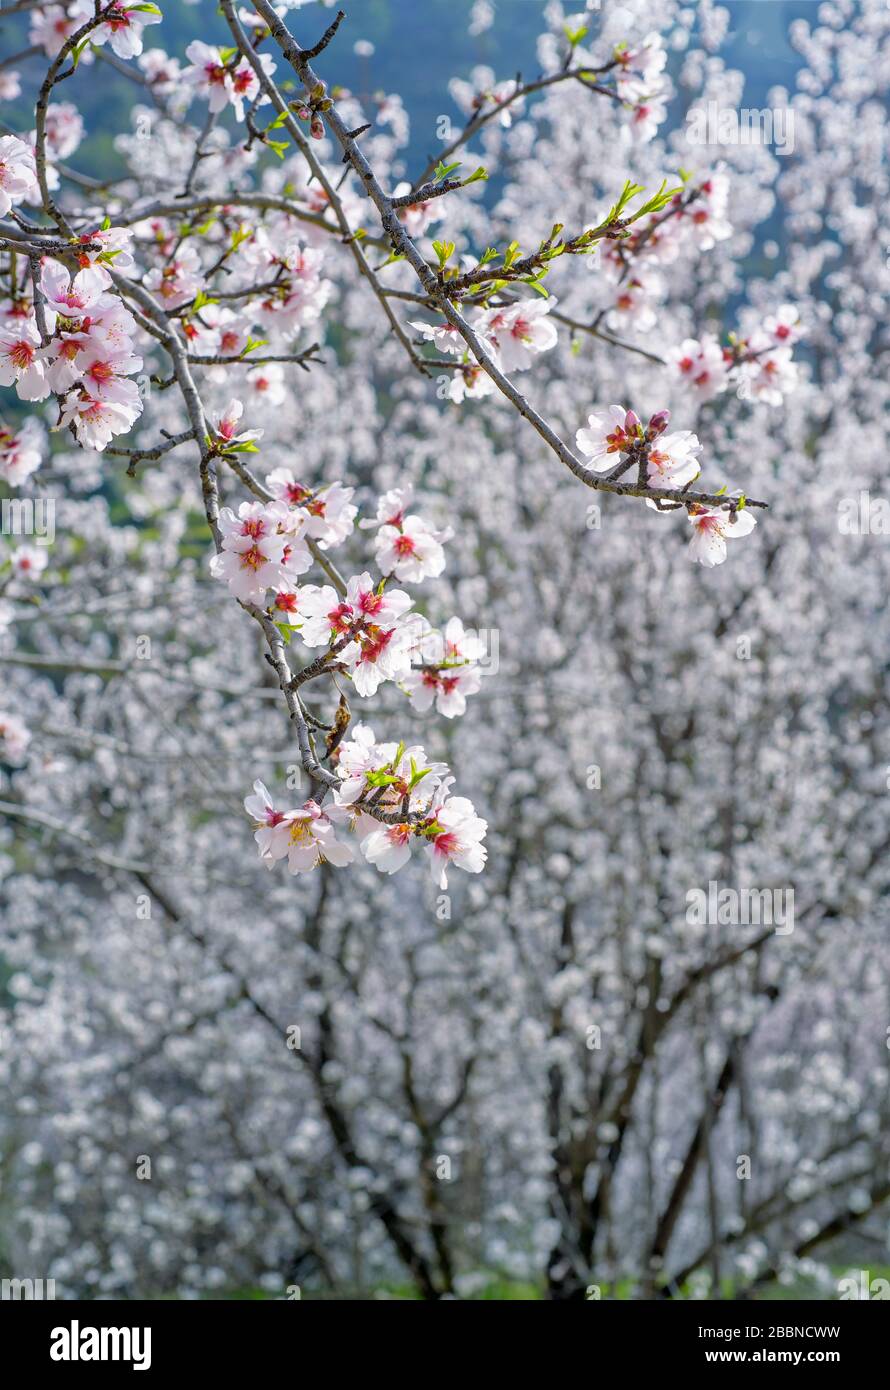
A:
(658, 423)
(632, 422)
(316, 130)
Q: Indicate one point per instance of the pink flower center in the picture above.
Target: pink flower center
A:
(21, 354)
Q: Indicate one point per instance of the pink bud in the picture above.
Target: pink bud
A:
(303, 113)
(658, 423)
(631, 422)
(316, 130)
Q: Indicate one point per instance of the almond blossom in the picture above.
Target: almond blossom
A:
(226, 429)
(391, 508)
(64, 129)
(96, 420)
(712, 528)
(20, 362)
(633, 309)
(411, 550)
(253, 547)
(707, 214)
(307, 839)
(14, 737)
(770, 374)
(114, 249)
(471, 383)
(222, 83)
(455, 834)
(268, 821)
(20, 451)
(123, 26)
(417, 217)
(18, 176)
(29, 561)
(70, 298)
(371, 617)
(519, 331)
(608, 435)
(784, 325)
(702, 365)
(673, 461)
(52, 26)
(177, 282)
(328, 512)
(448, 688)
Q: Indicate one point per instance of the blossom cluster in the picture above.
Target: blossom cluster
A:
(758, 361)
(615, 440)
(85, 354)
(512, 335)
(693, 221)
(391, 798)
(53, 25)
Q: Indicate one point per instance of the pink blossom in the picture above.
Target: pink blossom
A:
(20, 452)
(416, 217)
(448, 687)
(455, 837)
(123, 28)
(519, 331)
(18, 175)
(67, 297)
(633, 308)
(388, 847)
(51, 27)
(271, 824)
(253, 549)
(29, 561)
(20, 362)
(673, 460)
(712, 528)
(64, 129)
(14, 737)
(411, 551)
(606, 437)
(702, 365)
(309, 840)
(471, 383)
(328, 512)
(226, 427)
(97, 421)
(784, 325)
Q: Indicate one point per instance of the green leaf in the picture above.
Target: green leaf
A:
(443, 170)
(511, 254)
(476, 176)
(444, 250)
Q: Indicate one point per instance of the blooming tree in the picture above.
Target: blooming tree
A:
(303, 599)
